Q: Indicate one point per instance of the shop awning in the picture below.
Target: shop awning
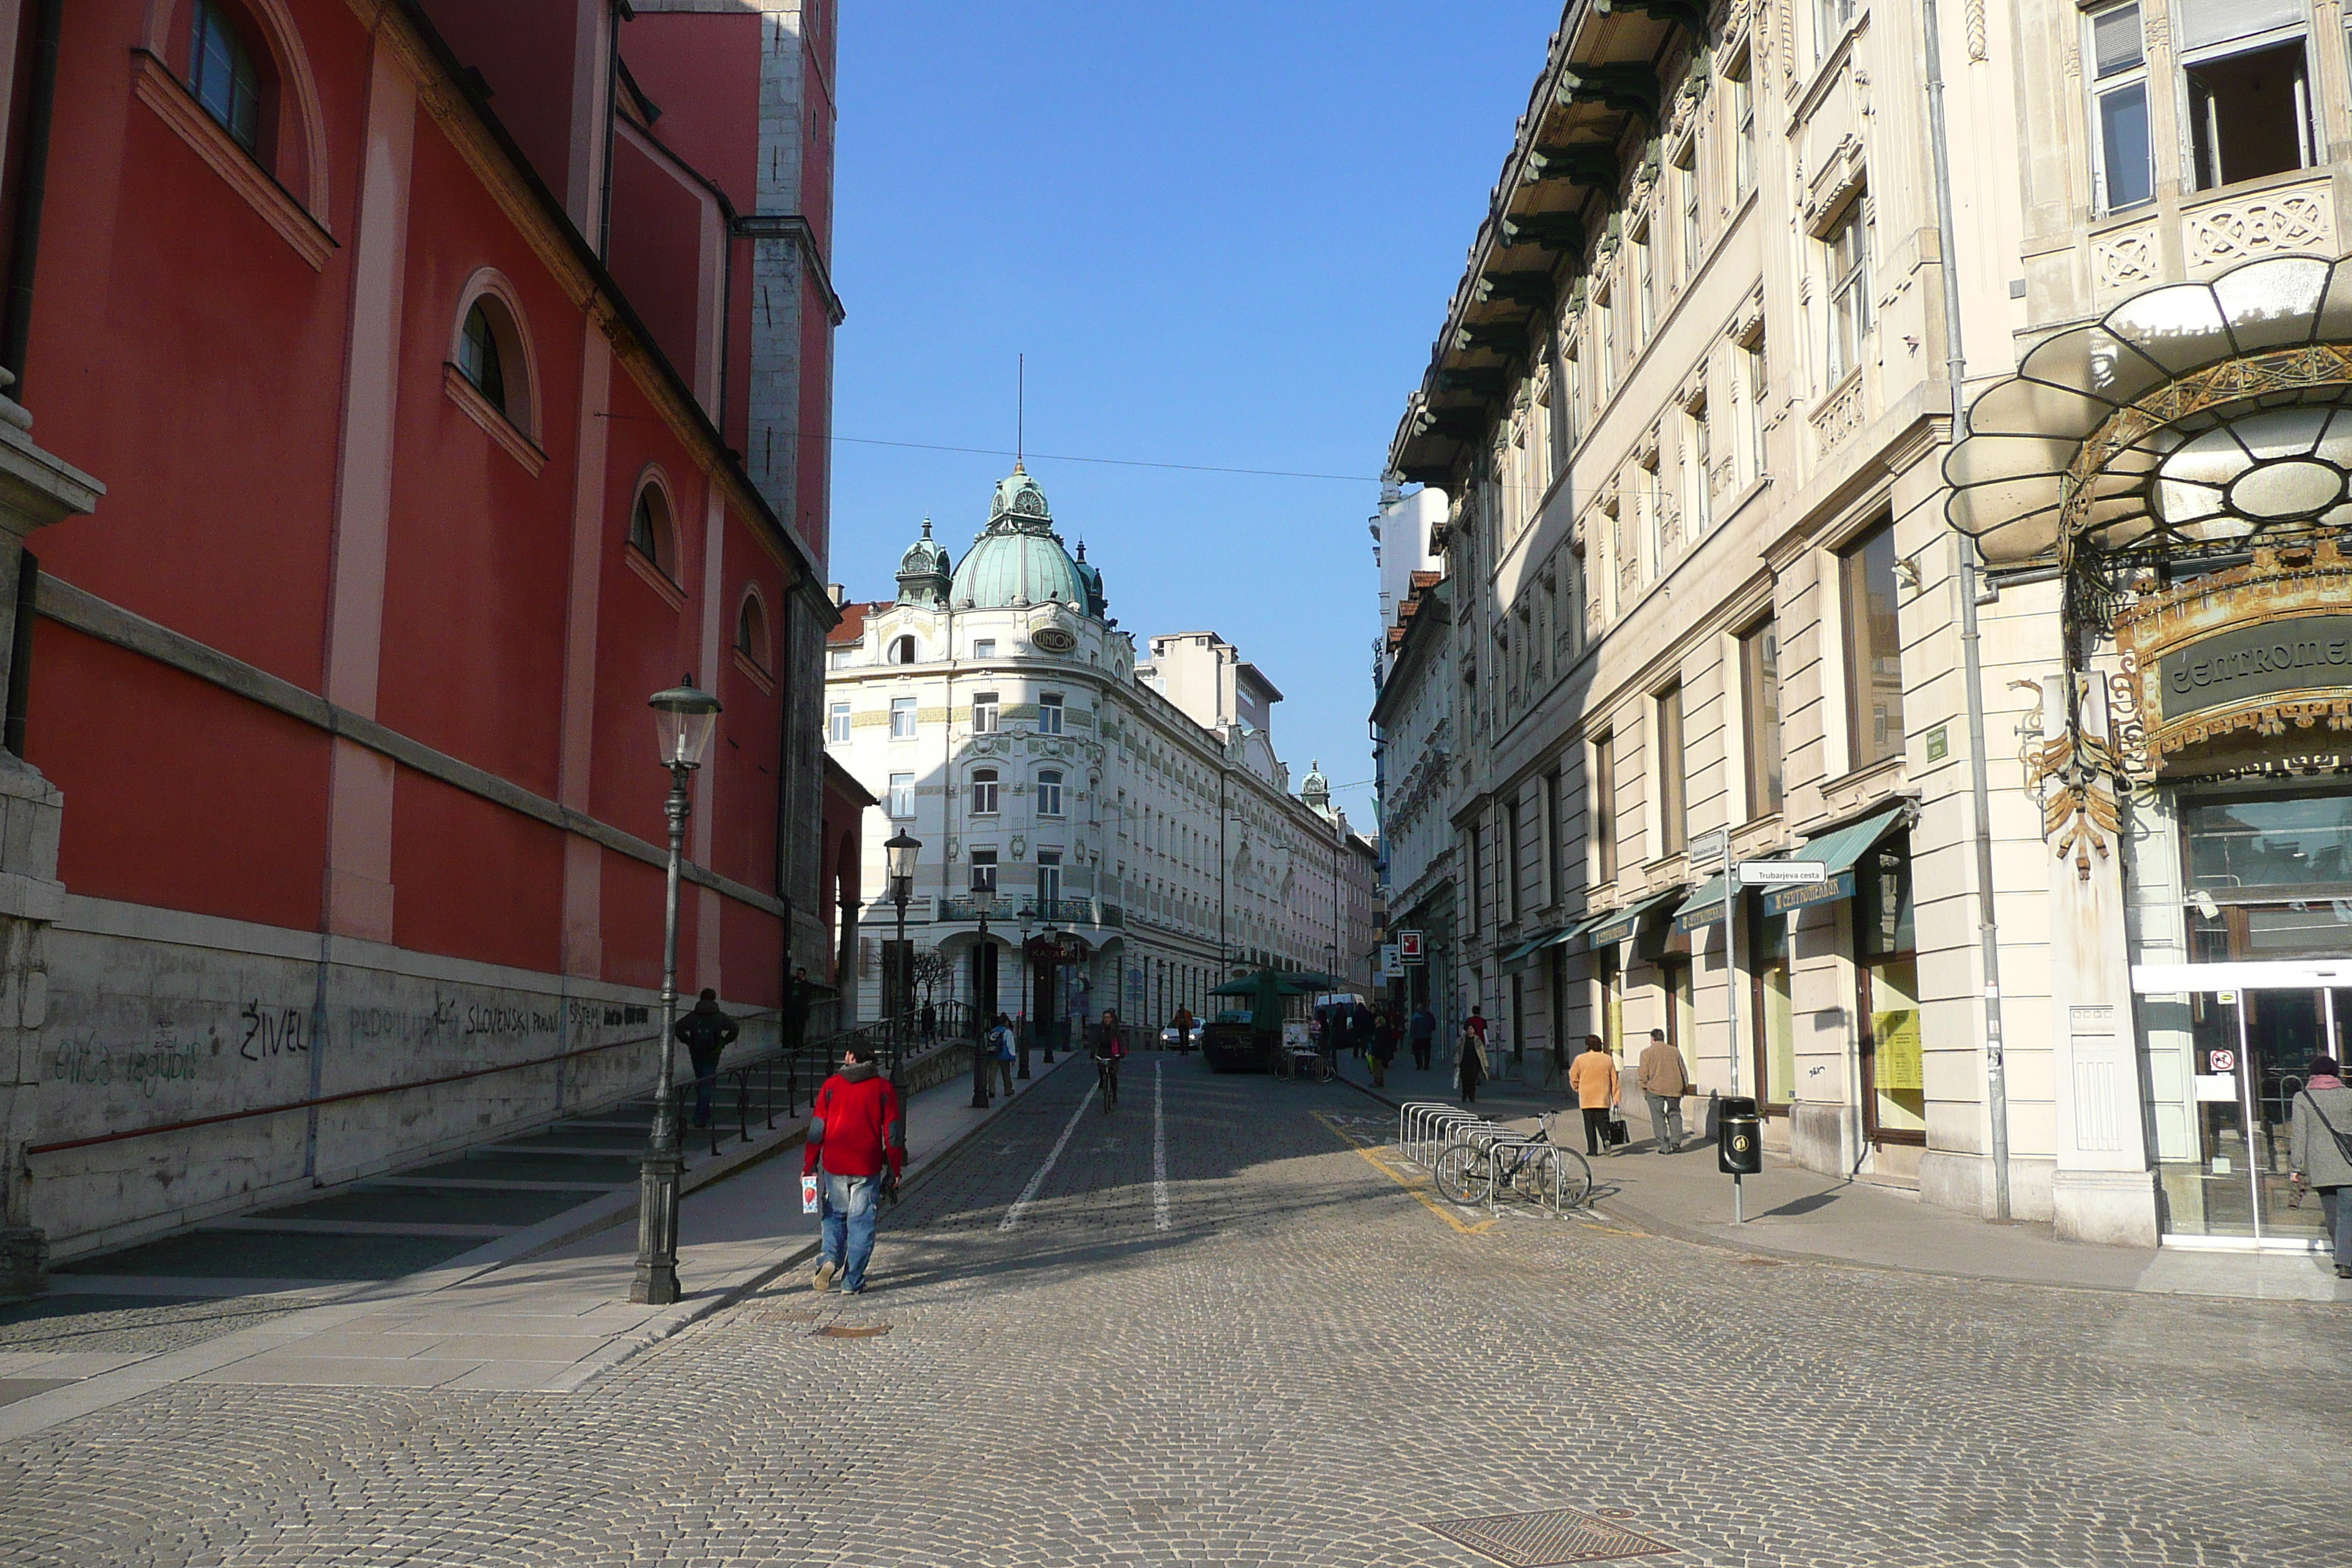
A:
(1618, 925)
(1703, 908)
(1837, 852)
(1519, 957)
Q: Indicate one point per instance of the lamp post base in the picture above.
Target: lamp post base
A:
(654, 1283)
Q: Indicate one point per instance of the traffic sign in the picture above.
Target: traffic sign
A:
(1782, 873)
(1708, 850)
(1408, 946)
(1391, 963)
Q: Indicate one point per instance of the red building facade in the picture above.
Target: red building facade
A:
(434, 356)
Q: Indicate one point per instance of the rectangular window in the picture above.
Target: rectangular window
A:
(1049, 793)
(1694, 231)
(1604, 806)
(1846, 261)
(1874, 648)
(1775, 1007)
(1699, 453)
(1508, 878)
(1831, 19)
(902, 718)
(1555, 867)
(2125, 170)
(902, 796)
(1049, 875)
(1478, 880)
(1743, 117)
(983, 712)
(983, 647)
(1760, 682)
(983, 791)
(2248, 113)
(838, 658)
(1674, 782)
(1646, 292)
(983, 870)
(1758, 387)
(1049, 713)
(837, 722)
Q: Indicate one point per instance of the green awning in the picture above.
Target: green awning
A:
(1519, 957)
(1837, 852)
(1703, 908)
(1618, 925)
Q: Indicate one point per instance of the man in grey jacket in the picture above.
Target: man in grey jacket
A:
(1665, 1080)
(2319, 1150)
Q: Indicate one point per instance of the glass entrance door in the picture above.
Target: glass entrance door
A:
(2251, 1051)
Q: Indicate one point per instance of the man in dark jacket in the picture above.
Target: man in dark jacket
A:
(706, 1033)
(1424, 1036)
(858, 1132)
(797, 1010)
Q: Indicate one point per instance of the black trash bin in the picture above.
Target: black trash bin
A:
(1738, 1138)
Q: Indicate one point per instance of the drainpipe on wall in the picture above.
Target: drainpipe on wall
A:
(24, 254)
(1971, 652)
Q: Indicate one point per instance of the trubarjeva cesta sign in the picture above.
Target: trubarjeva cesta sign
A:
(2240, 667)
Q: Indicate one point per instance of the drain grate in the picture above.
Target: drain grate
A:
(1542, 1540)
(849, 1331)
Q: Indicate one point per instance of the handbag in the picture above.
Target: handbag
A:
(2343, 1140)
(1616, 1132)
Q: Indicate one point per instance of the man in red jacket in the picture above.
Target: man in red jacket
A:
(857, 1130)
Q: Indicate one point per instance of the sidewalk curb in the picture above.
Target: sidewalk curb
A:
(691, 1312)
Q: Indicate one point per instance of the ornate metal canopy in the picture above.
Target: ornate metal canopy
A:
(2193, 421)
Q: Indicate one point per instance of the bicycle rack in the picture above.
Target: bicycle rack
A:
(1426, 1126)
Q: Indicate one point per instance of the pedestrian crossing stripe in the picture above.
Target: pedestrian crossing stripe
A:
(1418, 1188)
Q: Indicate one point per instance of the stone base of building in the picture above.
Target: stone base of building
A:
(24, 1261)
(2114, 1208)
(1964, 1181)
(1822, 1137)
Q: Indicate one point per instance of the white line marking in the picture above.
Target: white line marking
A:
(1013, 1214)
(1159, 1157)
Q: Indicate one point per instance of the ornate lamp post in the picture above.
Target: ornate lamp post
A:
(898, 852)
(1052, 939)
(1028, 993)
(983, 1000)
(684, 719)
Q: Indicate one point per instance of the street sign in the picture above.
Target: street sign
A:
(1709, 850)
(1392, 962)
(1782, 873)
(1408, 946)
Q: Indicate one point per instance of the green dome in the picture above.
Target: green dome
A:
(923, 571)
(1017, 561)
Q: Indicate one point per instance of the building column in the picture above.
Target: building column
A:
(583, 858)
(712, 655)
(2101, 1190)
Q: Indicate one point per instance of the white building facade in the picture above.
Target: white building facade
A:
(1000, 718)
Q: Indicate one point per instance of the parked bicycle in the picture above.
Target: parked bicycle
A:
(1474, 1169)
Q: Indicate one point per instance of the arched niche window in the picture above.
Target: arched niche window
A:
(983, 791)
(490, 372)
(752, 632)
(902, 651)
(230, 80)
(1049, 793)
(652, 550)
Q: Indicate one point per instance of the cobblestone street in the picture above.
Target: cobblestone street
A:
(1274, 1354)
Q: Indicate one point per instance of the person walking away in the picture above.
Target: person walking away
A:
(856, 1146)
(1383, 1048)
(1104, 1045)
(1001, 1051)
(1183, 1022)
(1424, 1036)
(1593, 1078)
(1360, 1024)
(931, 1023)
(1470, 1062)
(2319, 1152)
(795, 1010)
(1665, 1080)
(1478, 1026)
(706, 1032)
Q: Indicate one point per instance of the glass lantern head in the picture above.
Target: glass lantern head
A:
(684, 719)
(898, 851)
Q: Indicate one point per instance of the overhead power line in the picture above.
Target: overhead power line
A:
(1118, 462)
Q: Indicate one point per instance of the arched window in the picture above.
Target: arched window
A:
(492, 356)
(650, 533)
(751, 631)
(983, 791)
(903, 651)
(1049, 793)
(223, 75)
(477, 356)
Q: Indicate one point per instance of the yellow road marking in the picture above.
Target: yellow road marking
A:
(1418, 1188)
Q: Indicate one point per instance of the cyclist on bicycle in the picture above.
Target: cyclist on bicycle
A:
(1104, 1045)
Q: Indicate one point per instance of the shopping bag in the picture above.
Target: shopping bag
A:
(1618, 1133)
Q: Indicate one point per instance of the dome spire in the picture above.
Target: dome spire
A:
(923, 571)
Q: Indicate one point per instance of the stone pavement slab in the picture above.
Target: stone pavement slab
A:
(1796, 1213)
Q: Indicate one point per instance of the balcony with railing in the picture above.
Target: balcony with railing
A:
(1080, 912)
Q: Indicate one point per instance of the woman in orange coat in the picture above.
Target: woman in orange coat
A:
(1594, 1079)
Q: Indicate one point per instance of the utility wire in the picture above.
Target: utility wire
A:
(1119, 462)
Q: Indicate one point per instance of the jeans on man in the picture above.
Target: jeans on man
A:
(706, 1079)
(1666, 1120)
(849, 1206)
(2336, 1208)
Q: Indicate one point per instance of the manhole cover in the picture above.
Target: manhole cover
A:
(1542, 1540)
(849, 1331)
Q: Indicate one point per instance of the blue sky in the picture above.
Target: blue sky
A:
(1222, 234)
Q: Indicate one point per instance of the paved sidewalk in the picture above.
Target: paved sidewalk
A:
(550, 1323)
(1800, 1213)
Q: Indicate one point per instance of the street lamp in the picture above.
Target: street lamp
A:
(898, 852)
(1054, 945)
(683, 721)
(984, 962)
(1028, 993)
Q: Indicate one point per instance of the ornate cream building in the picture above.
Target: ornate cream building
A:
(1706, 573)
(1138, 807)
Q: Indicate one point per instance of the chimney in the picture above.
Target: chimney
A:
(839, 594)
